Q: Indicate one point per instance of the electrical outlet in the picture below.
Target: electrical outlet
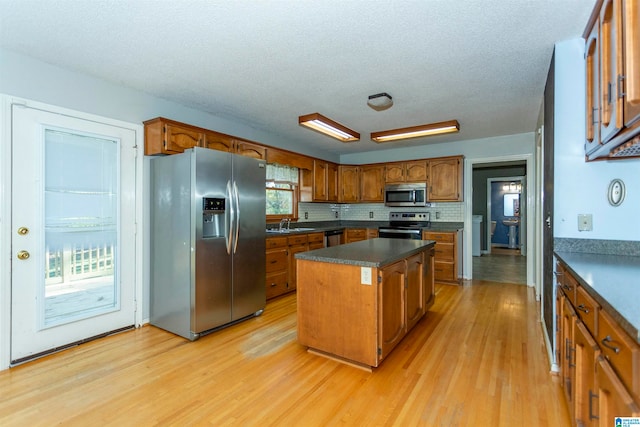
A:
(585, 222)
(365, 275)
(437, 215)
(370, 214)
(336, 214)
(306, 215)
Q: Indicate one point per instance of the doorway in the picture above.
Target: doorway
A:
(499, 262)
(73, 241)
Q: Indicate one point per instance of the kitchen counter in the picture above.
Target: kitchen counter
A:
(322, 226)
(613, 281)
(367, 253)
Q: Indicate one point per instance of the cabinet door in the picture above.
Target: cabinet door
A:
(592, 104)
(218, 141)
(613, 400)
(293, 250)
(611, 99)
(416, 171)
(349, 184)
(319, 180)
(391, 307)
(355, 235)
(250, 149)
(178, 138)
(332, 182)
(372, 183)
(631, 30)
(394, 172)
(445, 180)
(584, 376)
(416, 270)
(567, 362)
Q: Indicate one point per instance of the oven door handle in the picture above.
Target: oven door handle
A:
(396, 231)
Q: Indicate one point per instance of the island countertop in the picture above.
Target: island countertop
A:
(376, 252)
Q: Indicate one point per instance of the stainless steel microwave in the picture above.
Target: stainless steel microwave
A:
(405, 194)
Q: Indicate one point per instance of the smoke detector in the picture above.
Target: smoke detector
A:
(380, 101)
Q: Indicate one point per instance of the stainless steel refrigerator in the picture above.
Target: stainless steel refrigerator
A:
(207, 240)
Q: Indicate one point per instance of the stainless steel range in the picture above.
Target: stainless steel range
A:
(405, 225)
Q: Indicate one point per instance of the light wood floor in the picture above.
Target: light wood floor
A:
(476, 359)
(506, 266)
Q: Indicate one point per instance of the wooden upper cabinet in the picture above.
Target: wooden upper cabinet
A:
(372, 183)
(611, 99)
(332, 182)
(631, 31)
(250, 149)
(164, 136)
(444, 179)
(592, 106)
(319, 180)
(289, 158)
(319, 184)
(413, 171)
(349, 182)
(218, 141)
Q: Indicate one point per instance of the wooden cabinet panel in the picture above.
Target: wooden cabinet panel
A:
(611, 105)
(163, 136)
(218, 141)
(391, 306)
(180, 138)
(567, 365)
(416, 287)
(332, 182)
(446, 255)
(372, 183)
(585, 349)
(612, 398)
(316, 241)
(444, 180)
(372, 233)
(349, 183)
(276, 284)
(276, 242)
(276, 260)
(412, 171)
(289, 158)
(324, 185)
(394, 172)
(355, 234)
(250, 149)
(319, 180)
(587, 309)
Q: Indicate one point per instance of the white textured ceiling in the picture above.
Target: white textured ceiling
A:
(265, 62)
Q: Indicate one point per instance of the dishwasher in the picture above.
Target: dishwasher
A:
(333, 237)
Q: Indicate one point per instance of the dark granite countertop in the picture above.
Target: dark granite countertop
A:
(367, 253)
(322, 226)
(613, 281)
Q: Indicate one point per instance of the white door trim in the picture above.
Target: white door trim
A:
(531, 193)
(5, 211)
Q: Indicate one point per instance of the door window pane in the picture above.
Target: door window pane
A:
(81, 211)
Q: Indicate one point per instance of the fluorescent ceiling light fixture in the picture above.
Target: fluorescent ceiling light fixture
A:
(380, 101)
(416, 131)
(320, 123)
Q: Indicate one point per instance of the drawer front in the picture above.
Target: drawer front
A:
(276, 242)
(444, 272)
(315, 237)
(439, 237)
(276, 284)
(297, 240)
(316, 245)
(587, 309)
(621, 351)
(356, 232)
(444, 252)
(276, 261)
(569, 287)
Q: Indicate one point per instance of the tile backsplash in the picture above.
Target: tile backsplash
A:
(445, 212)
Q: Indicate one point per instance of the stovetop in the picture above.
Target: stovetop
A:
(406, 220)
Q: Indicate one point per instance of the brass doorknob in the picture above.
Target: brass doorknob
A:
(23, 230)
(23, 255)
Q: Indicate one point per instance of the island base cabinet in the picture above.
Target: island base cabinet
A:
(360, 314)
(329, 297)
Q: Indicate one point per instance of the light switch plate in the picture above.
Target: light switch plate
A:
(365, 275)
(585, 222)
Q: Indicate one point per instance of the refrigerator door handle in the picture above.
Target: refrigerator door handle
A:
(236, 197)
(230, 217)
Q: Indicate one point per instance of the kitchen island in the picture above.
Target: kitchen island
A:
(357, 301)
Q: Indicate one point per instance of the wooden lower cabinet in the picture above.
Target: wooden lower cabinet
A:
(447, 267)
(355, 235)
(599, 362)
(342, 317)
(281, 263)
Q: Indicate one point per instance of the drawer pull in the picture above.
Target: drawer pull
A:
(582, 308)
(273, 261)
(566, 287)
(273, 285)
(605, 342)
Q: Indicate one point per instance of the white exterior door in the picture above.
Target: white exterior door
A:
(73, 230)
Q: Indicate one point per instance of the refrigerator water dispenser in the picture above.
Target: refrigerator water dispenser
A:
(213, 218)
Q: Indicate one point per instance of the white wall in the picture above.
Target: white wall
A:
(28, 78)
(581, 187)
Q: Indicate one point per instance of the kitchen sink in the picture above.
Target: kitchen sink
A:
(288, 230)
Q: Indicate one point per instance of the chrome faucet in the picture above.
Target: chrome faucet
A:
(282, 223)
